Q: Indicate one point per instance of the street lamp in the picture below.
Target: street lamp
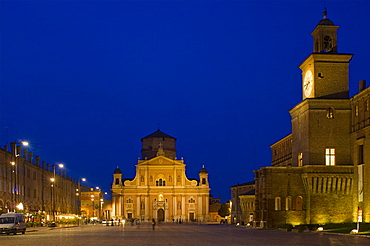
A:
(53, 191)
(78, 193)
(16, 146)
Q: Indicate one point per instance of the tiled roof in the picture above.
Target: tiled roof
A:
(158, 134)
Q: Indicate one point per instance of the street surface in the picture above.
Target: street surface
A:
(173, 234)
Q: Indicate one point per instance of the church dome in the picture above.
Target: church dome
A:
(117, 171)
(325, 21)
(203, 170)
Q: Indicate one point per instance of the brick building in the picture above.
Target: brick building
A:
(318, 173)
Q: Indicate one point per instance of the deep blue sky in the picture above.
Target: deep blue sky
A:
(84, 81)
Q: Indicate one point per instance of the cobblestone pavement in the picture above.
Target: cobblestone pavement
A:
(173, 234)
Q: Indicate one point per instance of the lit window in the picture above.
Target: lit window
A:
(330, 113)
(356, 110)
(288, 203)
(277, 203)
(330, 156)
(360, 169)
(300, 159)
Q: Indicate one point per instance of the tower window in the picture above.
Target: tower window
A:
(300, 159)
(329, 156)
(117, 181)
(203, 181)
(330, 113)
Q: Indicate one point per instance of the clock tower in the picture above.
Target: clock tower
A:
(321, 121)
(325, 71)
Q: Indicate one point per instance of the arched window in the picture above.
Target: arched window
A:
(330, 113)
(288, 203)
(160, 182)
(117, 181)
(203, 181)
(160, 197)
(299, 203)
(277, 203)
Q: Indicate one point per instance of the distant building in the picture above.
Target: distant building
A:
(236, 208)
(92, 204)
(247, 201)
(160, 189)
(319, 172)
(214, 206)
(31, 186)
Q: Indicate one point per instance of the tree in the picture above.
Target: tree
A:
(224, 210)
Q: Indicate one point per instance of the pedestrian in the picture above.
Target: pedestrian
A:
(153, 224)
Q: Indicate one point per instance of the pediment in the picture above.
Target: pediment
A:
(161, 160)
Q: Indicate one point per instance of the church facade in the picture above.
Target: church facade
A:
(318, 173)
(160, 189)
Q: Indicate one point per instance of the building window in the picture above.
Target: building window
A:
(299, 203)
(160, 198)
(288, 203)
(160, 182)
(366, 105)
(203, 181)
(277, 203)
(300, 159)
(330, 113)
(356, 110)
(361, 154)
(330, 156)
(117, 181)
(360, 169)
(191, 200)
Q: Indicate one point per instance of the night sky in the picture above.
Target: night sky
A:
(84, 81)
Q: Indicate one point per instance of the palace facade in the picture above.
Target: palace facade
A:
(30, 186)
(320, 171)
(160, 189)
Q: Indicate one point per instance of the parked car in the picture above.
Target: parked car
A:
(12, 223)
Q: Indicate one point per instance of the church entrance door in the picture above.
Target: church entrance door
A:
(160, 214)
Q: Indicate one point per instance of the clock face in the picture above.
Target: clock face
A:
(307, 83)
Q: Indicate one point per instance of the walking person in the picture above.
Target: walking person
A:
(153, 224)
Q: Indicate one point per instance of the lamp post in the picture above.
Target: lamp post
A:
(16, 146)
(78, 193)
(53, 191)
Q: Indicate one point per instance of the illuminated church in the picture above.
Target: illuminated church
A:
(160, 189)
(319, 172)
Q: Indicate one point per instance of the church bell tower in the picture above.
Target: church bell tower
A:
(325, 71)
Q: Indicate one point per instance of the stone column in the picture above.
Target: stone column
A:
(183, 209)
(147, 206)
(138, 207)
